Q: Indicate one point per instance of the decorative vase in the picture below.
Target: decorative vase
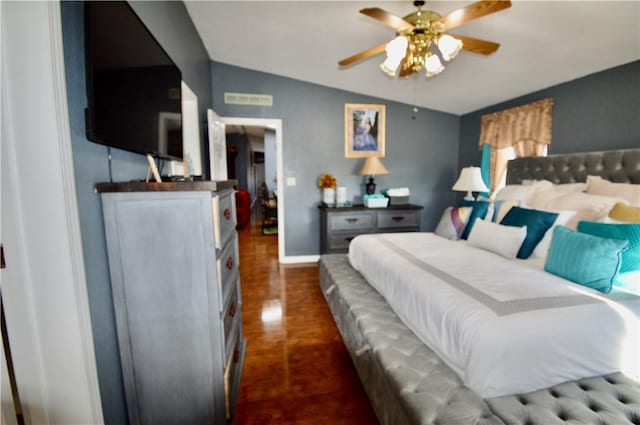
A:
(329, 196)
(341, 196)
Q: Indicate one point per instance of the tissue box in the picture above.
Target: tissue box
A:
(398, 200)
(375, 202)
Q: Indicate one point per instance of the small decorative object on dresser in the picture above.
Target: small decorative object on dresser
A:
(328, 183)
(339, 226)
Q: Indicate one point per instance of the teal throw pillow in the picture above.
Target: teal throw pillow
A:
(622, 231)
(537, 222)
(589, 260)
(479, 210)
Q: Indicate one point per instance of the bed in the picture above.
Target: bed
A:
(450, 375)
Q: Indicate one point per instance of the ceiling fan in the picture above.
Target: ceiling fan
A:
(416, 33)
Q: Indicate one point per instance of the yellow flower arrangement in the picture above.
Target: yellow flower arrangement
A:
(327, 181)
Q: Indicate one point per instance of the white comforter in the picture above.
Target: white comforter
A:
(505, 327)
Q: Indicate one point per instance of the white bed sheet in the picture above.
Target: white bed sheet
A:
(504, 326)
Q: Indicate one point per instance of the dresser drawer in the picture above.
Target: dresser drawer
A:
(224, 217)
(339, 242)
(227, 266)
(230, 317)
(398, 219)
(352, 221)
(232, 374)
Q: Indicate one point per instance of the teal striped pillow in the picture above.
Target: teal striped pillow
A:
(585, 259)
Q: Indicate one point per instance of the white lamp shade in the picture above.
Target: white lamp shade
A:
(433, 66)
(470, 180)
(396, 50)
(449, 47)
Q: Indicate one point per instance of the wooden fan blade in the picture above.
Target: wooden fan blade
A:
(364, 54)
(473, 11)
(387, 18)
(476, 45)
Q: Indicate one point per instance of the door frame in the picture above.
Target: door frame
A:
(44, 285)
(276, 125)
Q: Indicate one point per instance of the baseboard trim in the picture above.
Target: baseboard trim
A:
(299, 259)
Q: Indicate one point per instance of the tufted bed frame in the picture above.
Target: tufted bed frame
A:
(408, 384)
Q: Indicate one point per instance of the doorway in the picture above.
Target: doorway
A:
(258, 166)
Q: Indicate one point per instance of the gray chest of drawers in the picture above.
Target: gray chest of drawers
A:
(338, 226)
(173, 259)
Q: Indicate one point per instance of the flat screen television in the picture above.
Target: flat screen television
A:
(133, 86)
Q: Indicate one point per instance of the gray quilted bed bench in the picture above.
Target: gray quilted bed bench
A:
(408, 384)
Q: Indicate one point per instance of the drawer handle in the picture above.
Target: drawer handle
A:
(227, 213)
(229, 263)
(397, 218)
(351, 220)
(232, 310)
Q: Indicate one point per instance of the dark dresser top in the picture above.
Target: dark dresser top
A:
(180, 186)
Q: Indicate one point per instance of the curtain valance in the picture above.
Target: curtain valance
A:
(526, 124)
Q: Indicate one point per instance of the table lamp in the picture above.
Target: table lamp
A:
(470, 180)
(372, 166)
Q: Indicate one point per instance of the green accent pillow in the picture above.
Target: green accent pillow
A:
(589, 260)
(537, 222)
(623, 231)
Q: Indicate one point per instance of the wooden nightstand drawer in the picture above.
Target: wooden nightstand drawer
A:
(352, 221)
(398, 219)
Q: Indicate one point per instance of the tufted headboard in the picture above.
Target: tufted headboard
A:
(620, 166)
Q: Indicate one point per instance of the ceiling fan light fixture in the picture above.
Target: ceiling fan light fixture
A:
(433, 66)
(449, 47)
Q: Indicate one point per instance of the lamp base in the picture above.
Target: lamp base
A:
(371, 186)
(469, 197)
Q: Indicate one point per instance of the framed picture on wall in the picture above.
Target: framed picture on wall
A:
(364, 130)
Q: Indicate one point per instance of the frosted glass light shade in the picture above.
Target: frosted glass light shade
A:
(470, 180)
(449, 47)
(433, 66)
(396, 49)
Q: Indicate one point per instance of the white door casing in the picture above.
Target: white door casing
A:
(44, 287)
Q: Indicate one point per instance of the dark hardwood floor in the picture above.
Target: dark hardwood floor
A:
(297, 370)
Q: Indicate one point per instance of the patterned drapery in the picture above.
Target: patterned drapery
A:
(516, 132)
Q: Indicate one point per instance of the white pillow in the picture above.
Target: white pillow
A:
(596, 185)
(521, 193)
(497, 238)
(542, 249)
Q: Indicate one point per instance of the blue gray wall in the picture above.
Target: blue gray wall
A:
(172, 26)
(421, 148)
(598, 112)
(424, 149)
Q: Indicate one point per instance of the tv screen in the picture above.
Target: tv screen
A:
(133, 86)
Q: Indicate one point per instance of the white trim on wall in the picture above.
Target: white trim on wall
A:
(276, 125)
(44, 289)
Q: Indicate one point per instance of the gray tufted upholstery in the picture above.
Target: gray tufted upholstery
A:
(622, 166)
(408, 383)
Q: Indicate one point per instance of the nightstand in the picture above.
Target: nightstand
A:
(338, 226)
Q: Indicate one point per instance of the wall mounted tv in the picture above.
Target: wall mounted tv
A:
(133, 86)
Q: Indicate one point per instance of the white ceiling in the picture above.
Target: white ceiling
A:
(542, 44)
